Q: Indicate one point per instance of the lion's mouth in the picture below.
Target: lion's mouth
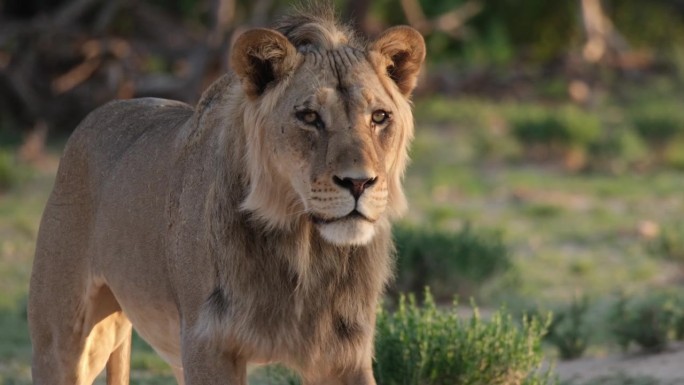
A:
(354, 215)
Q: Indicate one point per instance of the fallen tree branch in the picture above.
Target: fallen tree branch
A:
(450, 22)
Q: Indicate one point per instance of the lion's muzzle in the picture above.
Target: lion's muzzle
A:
(346, 210)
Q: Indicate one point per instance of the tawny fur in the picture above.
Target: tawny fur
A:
(224, 234)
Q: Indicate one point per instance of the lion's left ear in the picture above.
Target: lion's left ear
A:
(402, 50)
(261, 57)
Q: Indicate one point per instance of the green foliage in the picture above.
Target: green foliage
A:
(669, 244)
(541, 29)
(674, 153)
(448, 262)
(639, 134)
(619, 149)
(8, 170)
(421, 345)
(659, 121)
(569, 329)
(664, 29)
(650, 321)
(274, 375)
(454, 112)
(490, 47)
(566, 127)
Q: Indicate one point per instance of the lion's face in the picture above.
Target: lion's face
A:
(334, 140)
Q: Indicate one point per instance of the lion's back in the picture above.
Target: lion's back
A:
(108, 136)
(112, 184)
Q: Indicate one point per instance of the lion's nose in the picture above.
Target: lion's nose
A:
(355, 185)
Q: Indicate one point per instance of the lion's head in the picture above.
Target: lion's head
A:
(328, 122)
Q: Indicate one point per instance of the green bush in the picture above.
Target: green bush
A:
(650, 321)
(563, 134)
(659, 122)
(674, 153)
(421, 345)
(567, 127)
(569, 330)
(8, 173)
(669, 244)
(450, 263)
(619, 150)
(274, 375)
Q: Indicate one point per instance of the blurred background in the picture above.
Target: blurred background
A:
(548, 165)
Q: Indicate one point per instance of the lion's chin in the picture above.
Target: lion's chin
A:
(351, 232)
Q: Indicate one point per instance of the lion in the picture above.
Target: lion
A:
(253, 228)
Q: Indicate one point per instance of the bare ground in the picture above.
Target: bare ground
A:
(667, 367)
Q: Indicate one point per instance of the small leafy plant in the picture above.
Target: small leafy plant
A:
(650, 321)
(450, 263)
(569, 330)
(274, 375)
(8, 173)
(422, 345)
(659, 122)
(669, 244)
(564, 132)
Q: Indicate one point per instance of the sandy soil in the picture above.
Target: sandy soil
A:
(667, 367)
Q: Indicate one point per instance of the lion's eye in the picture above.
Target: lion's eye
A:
(309, 117)
(379, 117)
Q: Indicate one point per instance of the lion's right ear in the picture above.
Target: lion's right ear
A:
(260, 57)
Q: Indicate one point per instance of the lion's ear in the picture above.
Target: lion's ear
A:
(261, 57)
(402, 50)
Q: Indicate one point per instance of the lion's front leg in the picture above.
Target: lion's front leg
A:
(205, 365)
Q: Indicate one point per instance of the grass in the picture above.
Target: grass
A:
(564, 230)
(576, 225)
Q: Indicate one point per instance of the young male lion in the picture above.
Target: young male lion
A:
(252, 228)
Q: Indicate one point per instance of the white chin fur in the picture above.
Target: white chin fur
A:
(347, 232)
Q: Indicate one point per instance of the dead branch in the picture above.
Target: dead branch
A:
(450, 22)
(602, 37)
(75, 76)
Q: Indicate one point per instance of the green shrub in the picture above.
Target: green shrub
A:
(659, 122)
(650, 321)
(8, 171)
(454, 112)
(674, 153)
(669, 244)
(423, 345)
(566, 127)
(569, 330)
(562, 135)
(619, 150)
(450, 263)
(274, 375)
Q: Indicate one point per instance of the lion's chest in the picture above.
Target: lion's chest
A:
(295, 298)
(304, 330)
